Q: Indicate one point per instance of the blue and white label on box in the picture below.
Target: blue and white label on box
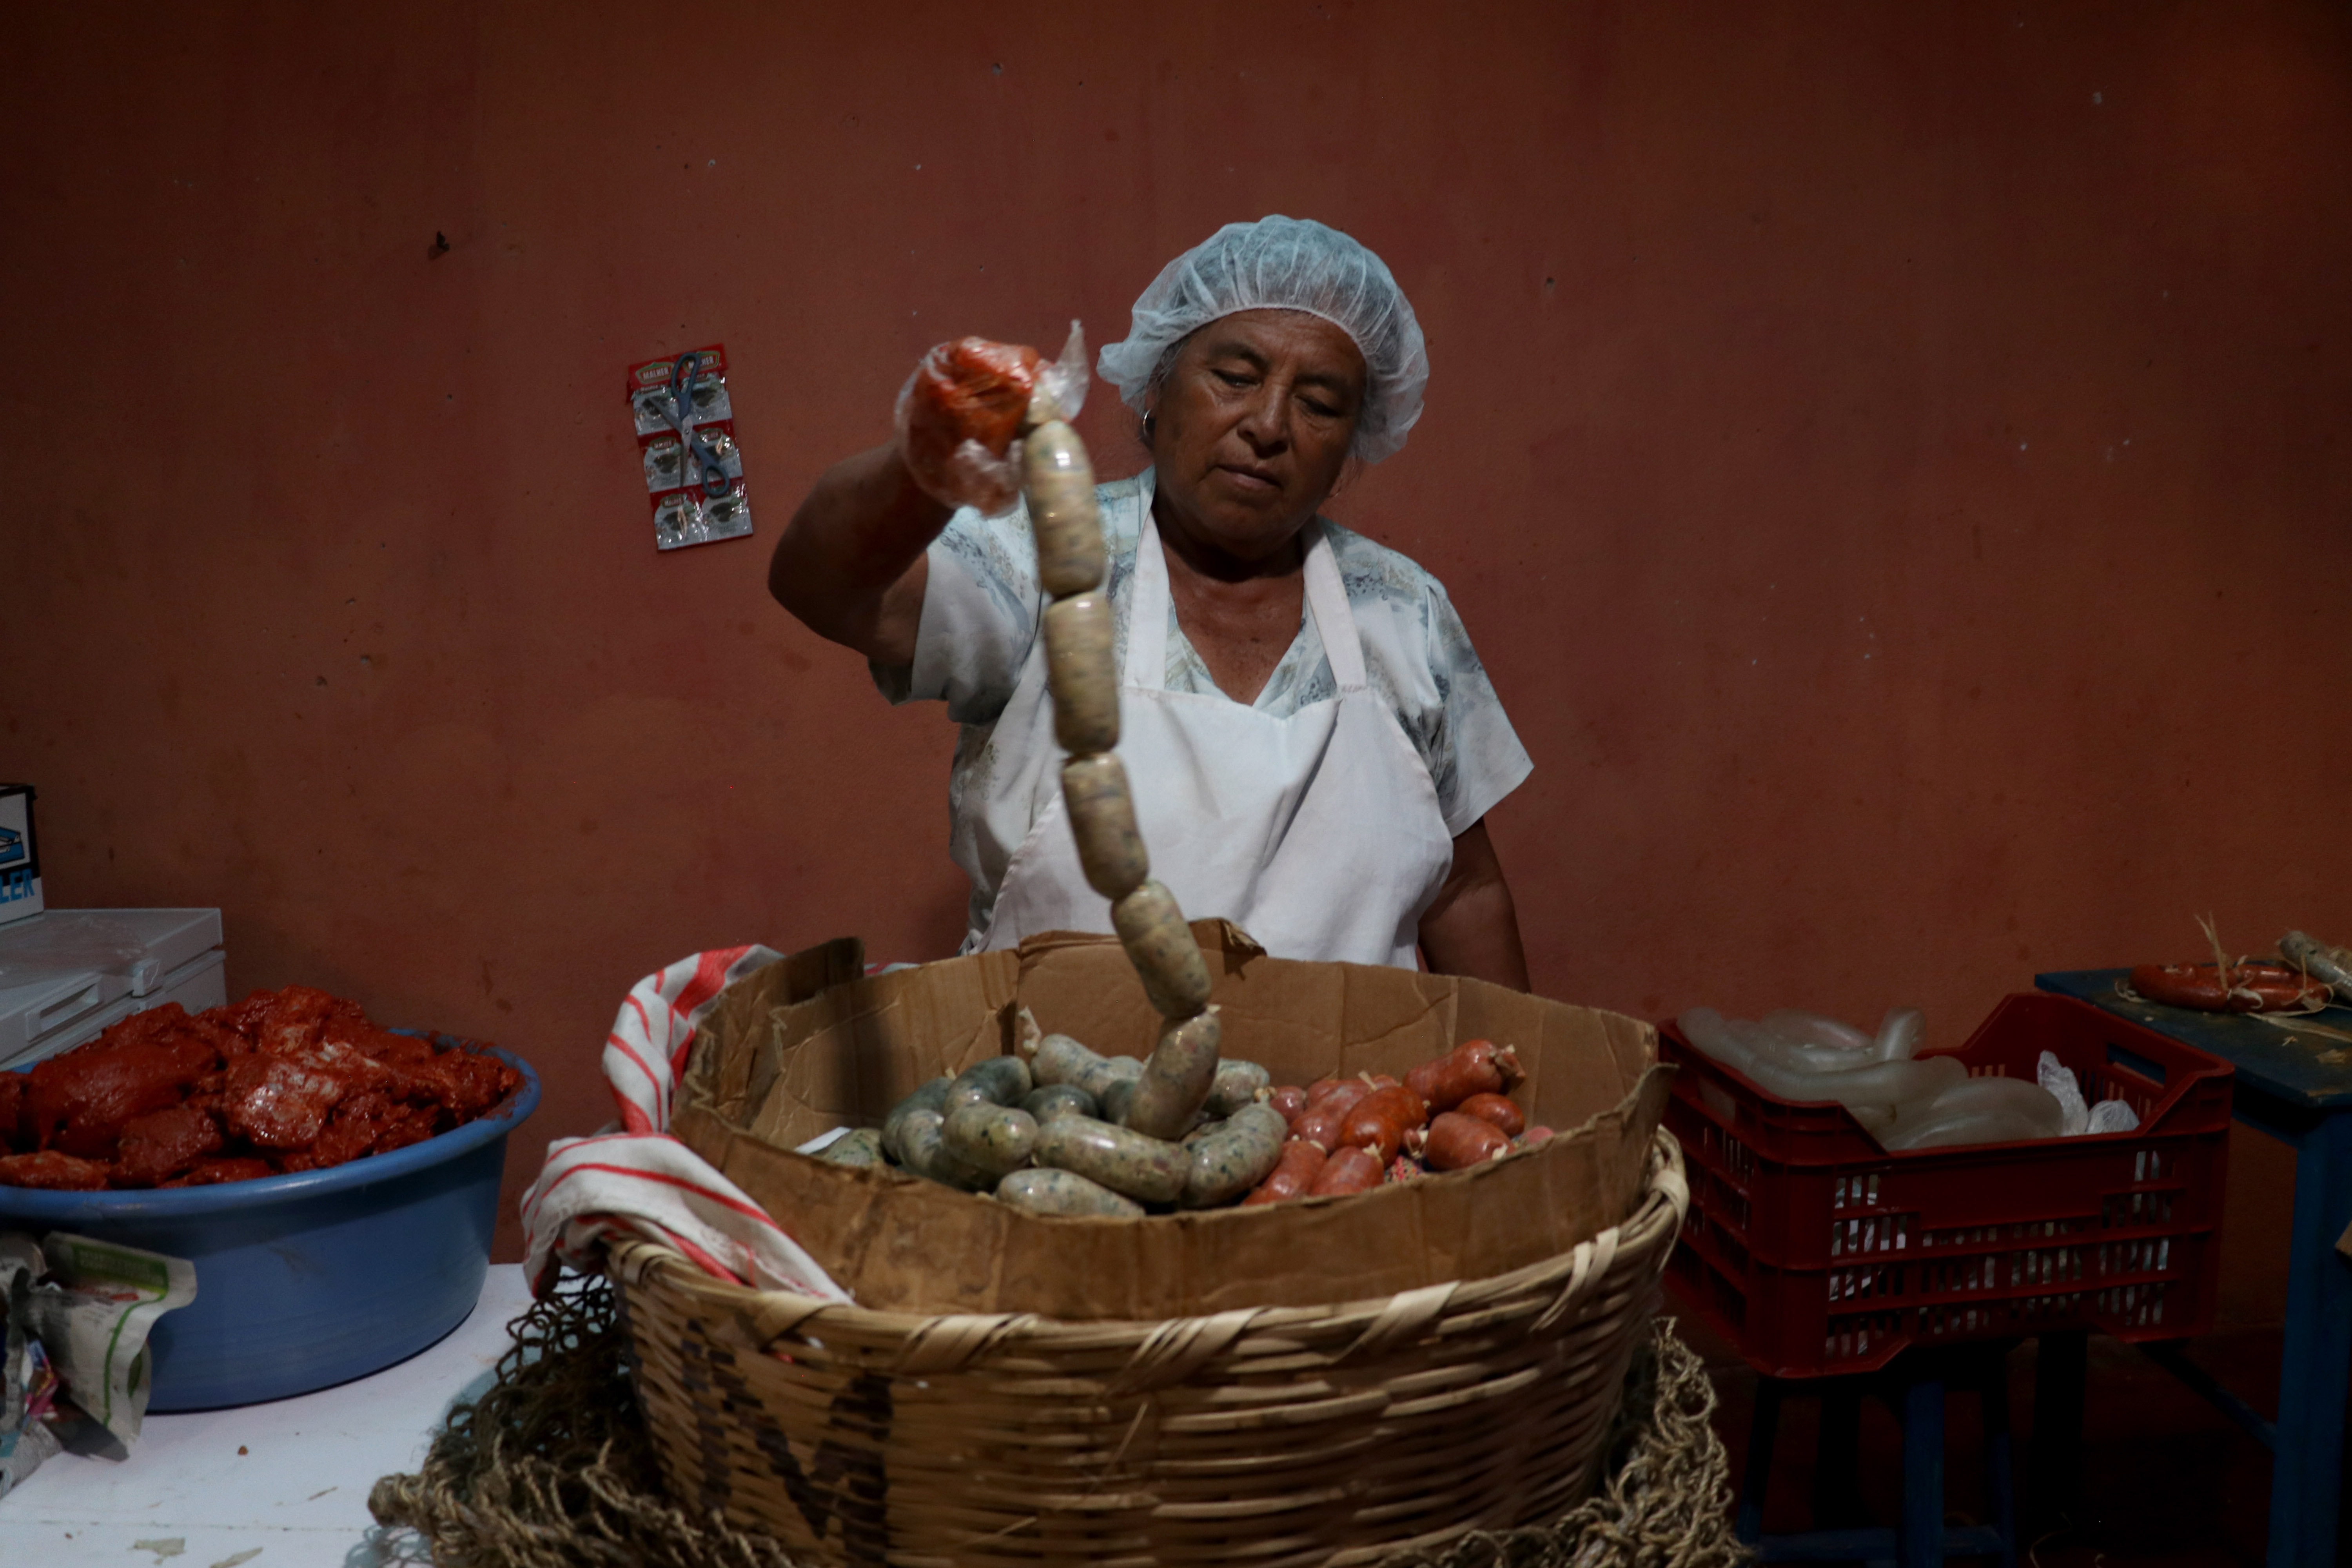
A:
(20, 859)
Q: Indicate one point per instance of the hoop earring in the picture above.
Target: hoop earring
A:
(1149, 424)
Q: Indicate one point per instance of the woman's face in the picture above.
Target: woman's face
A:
(1251, 426)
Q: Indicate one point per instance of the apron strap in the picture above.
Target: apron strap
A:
(1147, 617)
(1335, 621)
(1146, 606)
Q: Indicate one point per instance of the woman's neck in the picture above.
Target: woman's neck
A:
(1208, 558)
(1241, 614)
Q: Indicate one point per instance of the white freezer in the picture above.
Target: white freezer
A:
(182, 963)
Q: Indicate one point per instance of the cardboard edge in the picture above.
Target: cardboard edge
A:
(1215, 935)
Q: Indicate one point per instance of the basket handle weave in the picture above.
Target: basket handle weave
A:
(944, 1345)
(1181, 1346)
(1408, 1312)
(772, 1314)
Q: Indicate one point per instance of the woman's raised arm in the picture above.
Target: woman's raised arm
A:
(850, 564)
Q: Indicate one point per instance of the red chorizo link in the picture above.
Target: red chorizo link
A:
(1291, 1176)
(1324, 1120)
(1456, 1142)
(1474, 1066)
(1322, 1089)
(1349, 1171)
(1382, 1119)
(2249, 988)
(1496, 1109)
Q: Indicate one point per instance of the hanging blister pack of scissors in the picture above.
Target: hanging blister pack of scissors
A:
(686, 439)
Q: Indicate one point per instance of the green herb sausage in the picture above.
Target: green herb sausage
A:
(926, 1154)
(1066, 1193)
(1057, 1059)
(1123, 1161)
(991, 1138)
(1060, 1099)
(1178, 1078)
(1227, 1163)
(999, 1080)
(1106, 1071)
(862, 1147)
(932, 1095)
(1238, 1084)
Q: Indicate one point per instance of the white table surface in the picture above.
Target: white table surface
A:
(283, 1485)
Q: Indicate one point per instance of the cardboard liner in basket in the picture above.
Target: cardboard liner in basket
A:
(775, 1066)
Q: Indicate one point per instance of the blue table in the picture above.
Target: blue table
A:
(2297, 1088)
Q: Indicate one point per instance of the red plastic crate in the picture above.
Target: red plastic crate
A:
(1816, 1252)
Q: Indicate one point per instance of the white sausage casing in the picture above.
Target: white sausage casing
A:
(1161, 946)
(1081, 675)
(1060, 486)
(1102, 819)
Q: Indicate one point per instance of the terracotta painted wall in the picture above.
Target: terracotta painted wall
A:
(1891, 459)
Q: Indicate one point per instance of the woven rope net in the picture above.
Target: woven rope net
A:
(552, 1468)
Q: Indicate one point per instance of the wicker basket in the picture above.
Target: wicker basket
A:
(1267, 1437)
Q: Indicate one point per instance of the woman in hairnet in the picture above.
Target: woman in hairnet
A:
(1312, 745)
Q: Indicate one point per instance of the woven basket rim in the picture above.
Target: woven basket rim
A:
(1665, 1200)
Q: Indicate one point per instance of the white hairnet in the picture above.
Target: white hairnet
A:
(1284, 264)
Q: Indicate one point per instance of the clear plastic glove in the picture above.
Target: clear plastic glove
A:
(960, 413)
(1066, 379)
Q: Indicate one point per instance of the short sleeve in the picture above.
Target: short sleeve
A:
(1474, 756)
(979, 620)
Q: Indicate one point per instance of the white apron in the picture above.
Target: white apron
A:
(1318, 834)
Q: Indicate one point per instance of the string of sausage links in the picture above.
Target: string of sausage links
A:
(1058, 482)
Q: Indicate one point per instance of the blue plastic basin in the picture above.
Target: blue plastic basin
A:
(311, 1279)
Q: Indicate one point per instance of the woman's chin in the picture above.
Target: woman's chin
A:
(1255, 539)
(1254, 526)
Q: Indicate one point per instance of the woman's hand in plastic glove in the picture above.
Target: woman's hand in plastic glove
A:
(960, 412)
(958, 415)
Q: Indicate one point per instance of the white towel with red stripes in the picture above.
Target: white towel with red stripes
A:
(636, 1179)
